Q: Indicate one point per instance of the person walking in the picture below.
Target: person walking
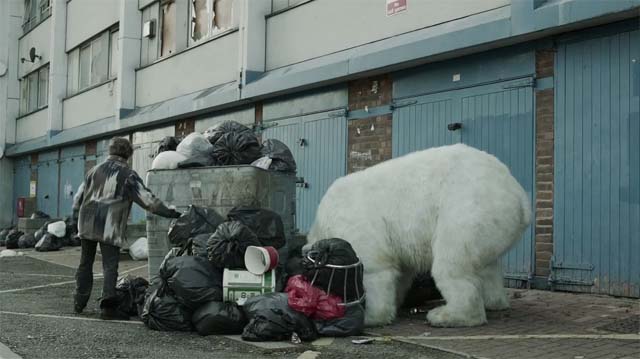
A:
(101, 209)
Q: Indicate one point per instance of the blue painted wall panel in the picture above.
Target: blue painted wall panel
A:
(597, 166)
(21, 180)
(47, 189)
(71, 176)
(496, 118)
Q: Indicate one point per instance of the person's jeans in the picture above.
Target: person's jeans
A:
(84, 274)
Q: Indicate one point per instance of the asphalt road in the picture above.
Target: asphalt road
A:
(37, 321)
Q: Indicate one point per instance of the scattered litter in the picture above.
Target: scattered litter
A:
(13, 237)
(48, 243)
(216, 318)
(27, 240)
(363, 341)
(10, 253)
(139, 250)
(295, 339)
(192, 280)
(58, 229)
(270, 318)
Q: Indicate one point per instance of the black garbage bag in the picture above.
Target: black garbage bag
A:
(266, 224)
(75, 241)
(27, 240)
(168, 143)
(214, 133)
(227, 245)
(338, 252)
(197, 161)
(192, 280)
(281, 157)
(351, 324)
(271, 318)
(71, 231)
(39, 215)
(3, 236)
(195, 220)
(218, 318)
(163, 312)
(199, 245)
(49, 243)
(236, 148)
(130, 293)
(13, 237)
(38, 235)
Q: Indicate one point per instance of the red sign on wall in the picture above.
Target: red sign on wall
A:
(396, 6)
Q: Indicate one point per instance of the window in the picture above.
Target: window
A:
(278, 5)
(35, 11)
(34, 90)
(93, 62)
(167, 36)
(209, 17)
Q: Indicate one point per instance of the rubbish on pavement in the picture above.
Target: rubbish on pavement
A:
(194, 145)
(195, 220)
(281, 157)
(262, 162)
(39, 215)
(197, 161)
(218, 318)
(239, 285)
(259, 260)
(130, 293)
(236, 148)
(167, 160)
(295, 338)
(199, 245)
(363, 341)
(312, 301)
(139, 250)
(168, 143)
(48, 243)
(10, 253)
(192, 280)
(163, 312)
(13, 237)
(3, 236)
(266, 224)
(332, 264)
(58, 229)
(226, 247)
(352, 323)
(26, 240)
(214, 133)
(270, 318)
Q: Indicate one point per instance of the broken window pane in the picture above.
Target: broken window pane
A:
(201, 14)
(99, 58)
(85, 66)
(43, 86)
(72, 72)
(24, 96)
(168, 16)
(224, 18)
(114, 54)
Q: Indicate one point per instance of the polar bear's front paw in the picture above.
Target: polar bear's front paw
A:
(443, 316)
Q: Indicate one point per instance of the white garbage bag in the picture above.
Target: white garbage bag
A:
(262, 162)
(57, 229)
(139, 250)
(9, 253)
(167, 160)
(195, 144)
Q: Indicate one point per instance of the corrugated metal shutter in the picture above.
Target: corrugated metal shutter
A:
(21, 180)
(497, 118)
(47, 189)
(597, 165)
(71, 176)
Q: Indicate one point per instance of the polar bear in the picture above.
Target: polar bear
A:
(451, 210)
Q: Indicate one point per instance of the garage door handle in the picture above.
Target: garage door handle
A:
(300, 182)
(454, 126)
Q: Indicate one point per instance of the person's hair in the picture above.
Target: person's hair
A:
(119, 146)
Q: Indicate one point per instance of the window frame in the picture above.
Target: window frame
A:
(161, 28)
(212, 30)
(25, 106)
(39, 11)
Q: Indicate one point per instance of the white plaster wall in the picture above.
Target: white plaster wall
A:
(89, 106)
(322, 27)
(40, 38)
(86, 18)
(246, 117)
(32, 126)
(210, 64)
(306, 103)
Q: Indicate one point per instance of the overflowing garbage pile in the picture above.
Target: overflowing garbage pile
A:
(221, 279)
(52, 236)
(226, 144)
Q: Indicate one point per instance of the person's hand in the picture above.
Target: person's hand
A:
(174, 214)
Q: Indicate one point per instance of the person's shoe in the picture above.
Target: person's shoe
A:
(79, 303)
(113, 314)
(78, 308)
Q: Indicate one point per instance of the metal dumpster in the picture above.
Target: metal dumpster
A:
(221, 188)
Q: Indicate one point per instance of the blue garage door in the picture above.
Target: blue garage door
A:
(597, 165)
(319, 144)
(47, 189)
(496, 118)
(71, 175)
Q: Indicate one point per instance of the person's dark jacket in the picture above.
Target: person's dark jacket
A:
(103, 201)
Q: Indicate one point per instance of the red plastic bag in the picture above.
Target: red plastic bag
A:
(312, 301)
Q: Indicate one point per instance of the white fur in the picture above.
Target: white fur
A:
(451, 210)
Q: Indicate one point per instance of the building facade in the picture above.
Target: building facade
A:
(551, 87)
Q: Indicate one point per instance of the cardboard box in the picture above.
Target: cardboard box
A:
(240, 285)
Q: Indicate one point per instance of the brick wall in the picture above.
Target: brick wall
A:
(369, 139)
(544, 165)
